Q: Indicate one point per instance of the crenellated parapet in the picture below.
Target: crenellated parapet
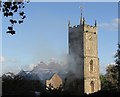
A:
(89, 28)
(83, 28)
(75, 28)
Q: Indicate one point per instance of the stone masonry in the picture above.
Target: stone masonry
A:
(83, 47)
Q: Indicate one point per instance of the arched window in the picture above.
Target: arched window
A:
(91, 65)
(92, 86)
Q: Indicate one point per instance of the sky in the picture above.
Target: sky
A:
(44, 34)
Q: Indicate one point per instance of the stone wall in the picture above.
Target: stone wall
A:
(76, 48)
(91, 77)
(55, 82)
(83, 46)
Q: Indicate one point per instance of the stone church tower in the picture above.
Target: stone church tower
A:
(83, 47)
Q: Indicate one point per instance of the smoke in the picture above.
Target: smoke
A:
(73, 66)
(64, 64)
(31, 66)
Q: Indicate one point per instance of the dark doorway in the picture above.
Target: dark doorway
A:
(92, 86)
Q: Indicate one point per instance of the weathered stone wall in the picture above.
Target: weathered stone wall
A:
(76, 48)
(83, 46)
(55, 82)
(89, 28)
(87, 85)
(88, 73)
(90, 44)
(91, 53)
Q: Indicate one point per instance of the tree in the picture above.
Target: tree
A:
(12, 7)
(110, 79)
(16, 85)
(104, 83)
(112, 76)
(117, 61)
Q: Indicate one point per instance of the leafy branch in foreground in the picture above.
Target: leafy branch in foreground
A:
(10, 9)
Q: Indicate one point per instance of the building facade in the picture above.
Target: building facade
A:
(83, 48)
(55, 82)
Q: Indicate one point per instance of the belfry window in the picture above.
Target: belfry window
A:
(91, 65)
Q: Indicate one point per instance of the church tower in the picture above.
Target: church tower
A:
(83, 47)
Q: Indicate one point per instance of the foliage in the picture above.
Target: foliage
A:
(10, 9)
(104, 84)
(117, 60)
(110, 79)
(18, 85)
(52, 91)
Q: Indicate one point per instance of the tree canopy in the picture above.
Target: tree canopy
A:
(111, 80)
(117, 61)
